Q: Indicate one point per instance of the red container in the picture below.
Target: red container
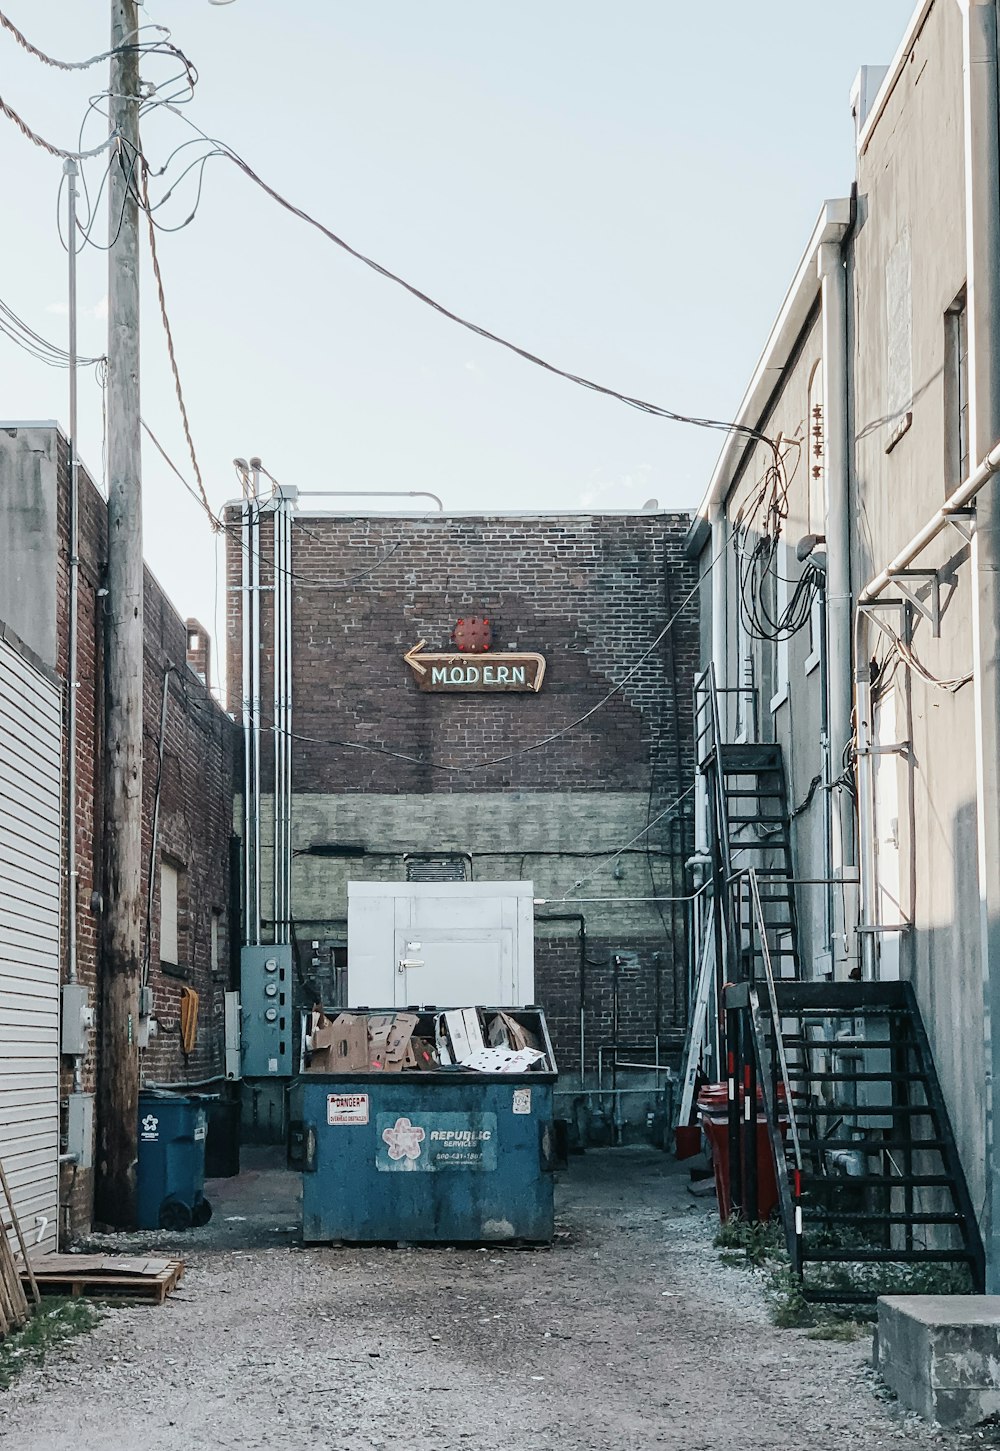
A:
(713, 1110)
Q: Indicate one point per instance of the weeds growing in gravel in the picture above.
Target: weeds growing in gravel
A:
(54, 1321)
(759, 1242)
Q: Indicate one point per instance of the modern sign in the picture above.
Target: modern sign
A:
(455, 671)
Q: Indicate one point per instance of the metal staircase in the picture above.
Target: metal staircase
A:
(868, 1175)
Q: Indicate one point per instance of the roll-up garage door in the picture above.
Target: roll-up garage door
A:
(30, 819)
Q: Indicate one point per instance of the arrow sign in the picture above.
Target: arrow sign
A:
(499, 671)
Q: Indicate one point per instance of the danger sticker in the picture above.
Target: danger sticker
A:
(347, 1108)
(522, 1100)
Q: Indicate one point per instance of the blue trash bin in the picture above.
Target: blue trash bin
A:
(170, 1176)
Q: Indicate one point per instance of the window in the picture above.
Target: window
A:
(169, 951)
(956, 422)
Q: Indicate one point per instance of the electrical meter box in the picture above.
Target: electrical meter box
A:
(266, 999)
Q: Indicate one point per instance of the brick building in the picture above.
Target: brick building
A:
(188, 772)
(386, 774)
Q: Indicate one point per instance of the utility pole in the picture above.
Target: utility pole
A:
(123, 652)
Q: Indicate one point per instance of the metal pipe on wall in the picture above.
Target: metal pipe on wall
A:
(255, 696)
(288, 717)
(245, 701)
(278, 720)
(982, 233)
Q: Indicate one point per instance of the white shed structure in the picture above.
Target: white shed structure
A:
(455, 944)
(30, 874)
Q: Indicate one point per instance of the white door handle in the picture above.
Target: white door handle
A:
(405, 962)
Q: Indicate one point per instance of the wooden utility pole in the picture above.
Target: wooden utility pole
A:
(119, 1058)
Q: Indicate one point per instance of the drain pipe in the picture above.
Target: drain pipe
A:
(839, 826)
(982, 233)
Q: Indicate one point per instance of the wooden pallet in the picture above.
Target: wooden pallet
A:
(121, 1278)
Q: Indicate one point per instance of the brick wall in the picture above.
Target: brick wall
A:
(591, 593)
(194, 819)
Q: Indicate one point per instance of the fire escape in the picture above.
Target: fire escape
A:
(864, 1157)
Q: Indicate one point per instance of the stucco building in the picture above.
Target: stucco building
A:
(867, 533)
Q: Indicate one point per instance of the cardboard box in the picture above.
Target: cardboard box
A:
(340, 1046)
(379, 1027)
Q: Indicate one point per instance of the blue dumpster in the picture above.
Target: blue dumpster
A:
(445, 1155)
(170, 1176)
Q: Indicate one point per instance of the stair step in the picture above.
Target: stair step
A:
(821, 1295)
(886, 1256)
(827, 1043)
(878, 1181)
(770, 821)
(807, 1075)
(850, 1110)
(826, 1216)
(867, 1147)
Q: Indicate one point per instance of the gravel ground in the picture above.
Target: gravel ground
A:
(628, 1333)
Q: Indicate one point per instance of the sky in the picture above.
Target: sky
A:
(625, 189)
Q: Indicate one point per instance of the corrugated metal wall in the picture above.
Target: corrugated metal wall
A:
(30, 862)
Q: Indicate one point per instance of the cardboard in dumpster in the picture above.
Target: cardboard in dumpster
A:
(503, 1060)
(518, 1036)
(340, 1046)
(424, 1057)
(379, 1027)
(398, 1040)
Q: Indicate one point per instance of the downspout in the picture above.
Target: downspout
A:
(719, 564)
(982, 240)
(839, 692)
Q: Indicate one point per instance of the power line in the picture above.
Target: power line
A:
(222, 148)
(170, 349)
(156, 47)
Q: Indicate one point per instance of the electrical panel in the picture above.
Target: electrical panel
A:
(77, 1020)
(268, 1033)
(80, 1129)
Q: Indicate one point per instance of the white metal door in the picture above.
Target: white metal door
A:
(887, 874)
(30, 859)
(454, 967)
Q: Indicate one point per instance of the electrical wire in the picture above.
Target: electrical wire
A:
(163, 47)
(223, 149)
(144, 202)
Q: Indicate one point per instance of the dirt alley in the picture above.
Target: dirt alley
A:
(628, 1333)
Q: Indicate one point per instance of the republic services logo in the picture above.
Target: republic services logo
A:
(403, 1139)
(150, 1124)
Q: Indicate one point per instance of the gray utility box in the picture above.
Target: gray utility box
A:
(269, 1033)
(440, 942)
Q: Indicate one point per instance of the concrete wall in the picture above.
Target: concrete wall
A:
(591, 593)
(911, 197)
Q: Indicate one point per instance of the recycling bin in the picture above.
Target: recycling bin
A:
(170, 1175)
(437, 1155)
